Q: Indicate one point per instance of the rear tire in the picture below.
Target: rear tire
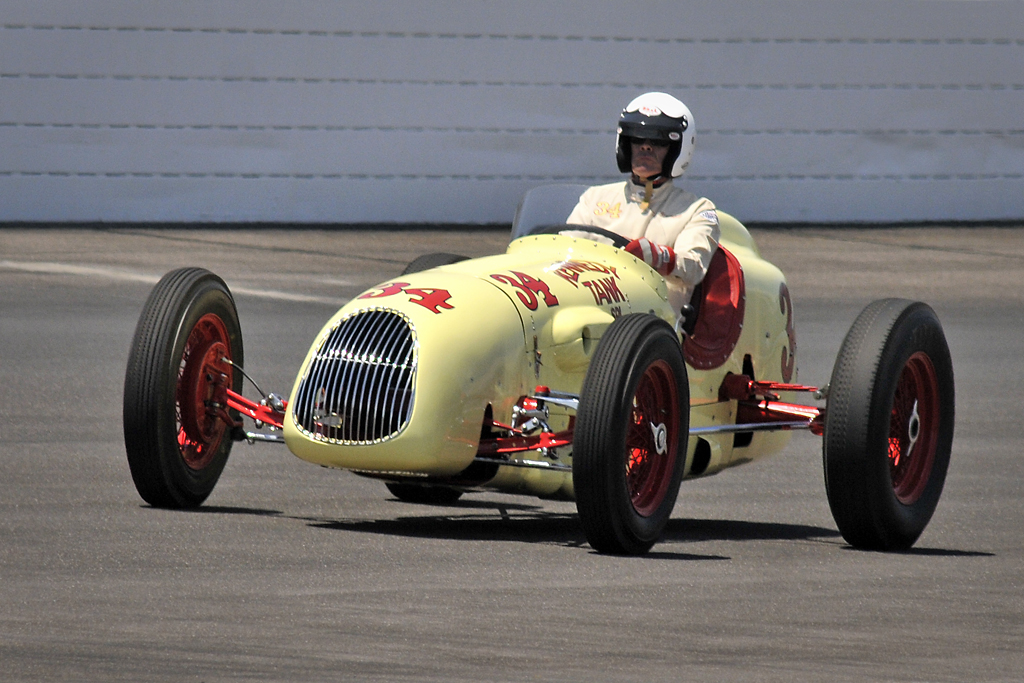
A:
(176, 438)
(632, 428)
(428, 261)
(889, 425)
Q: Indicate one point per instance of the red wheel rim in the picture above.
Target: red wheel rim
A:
(914, 428)
(201, 399)
(651, 439)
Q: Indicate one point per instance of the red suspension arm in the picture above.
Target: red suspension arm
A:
(257, 411)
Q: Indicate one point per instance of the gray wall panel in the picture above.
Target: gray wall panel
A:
(225, 110)
(211, 197)
(428, 57)
(547, 154)
(110, 101)
(660, 19)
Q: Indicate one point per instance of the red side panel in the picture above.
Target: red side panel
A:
(720, 317)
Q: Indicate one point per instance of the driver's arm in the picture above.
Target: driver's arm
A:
(696, 243)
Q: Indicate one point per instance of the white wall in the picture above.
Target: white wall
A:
(446, 111)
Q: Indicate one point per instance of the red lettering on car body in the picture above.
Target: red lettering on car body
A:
(570, 271)
(605, 290)
(390, 289)
(431, 299)
(528, 288)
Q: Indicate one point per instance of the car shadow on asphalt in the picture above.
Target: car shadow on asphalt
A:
(470, 520)
(542, 528)
(485, 521)
(533, 527)
(233, 510)
(697, 530)
(931, 552)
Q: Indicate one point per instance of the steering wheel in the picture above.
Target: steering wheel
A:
(617, 239)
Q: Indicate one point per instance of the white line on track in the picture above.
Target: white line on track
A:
(50, 268)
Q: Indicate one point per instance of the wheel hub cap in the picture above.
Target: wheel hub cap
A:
(660, 434)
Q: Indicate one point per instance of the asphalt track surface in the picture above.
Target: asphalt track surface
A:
(291, 572)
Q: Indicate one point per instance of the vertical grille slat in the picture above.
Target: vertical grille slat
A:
(372, 380)
(359, 386)
(354, 371)
(372, 423)
(398, 375)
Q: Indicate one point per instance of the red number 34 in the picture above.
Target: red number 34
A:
(528, 289)
(431, 299)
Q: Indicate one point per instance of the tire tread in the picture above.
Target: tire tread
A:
(855, 465)
(598, 496)
(149, 369)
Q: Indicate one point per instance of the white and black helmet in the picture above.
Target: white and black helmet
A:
(656, 116)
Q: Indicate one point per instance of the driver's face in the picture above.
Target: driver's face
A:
(648, 157)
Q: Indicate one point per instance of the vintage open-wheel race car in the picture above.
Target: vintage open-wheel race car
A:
(559, 370)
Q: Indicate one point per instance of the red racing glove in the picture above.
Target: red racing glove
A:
(661, 258)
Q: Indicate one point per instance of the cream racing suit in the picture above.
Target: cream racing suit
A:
(673, 217)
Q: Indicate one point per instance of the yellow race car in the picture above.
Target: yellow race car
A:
(559, 370)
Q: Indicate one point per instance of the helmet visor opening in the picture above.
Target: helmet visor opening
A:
(642, 132)
(653, 142)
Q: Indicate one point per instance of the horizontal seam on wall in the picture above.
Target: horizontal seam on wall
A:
(462, 130)
(420, 35)
(510, 177)
(469, 83)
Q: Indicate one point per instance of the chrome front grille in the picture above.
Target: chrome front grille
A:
(359, 385)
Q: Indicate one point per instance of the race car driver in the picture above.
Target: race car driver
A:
(672, 230)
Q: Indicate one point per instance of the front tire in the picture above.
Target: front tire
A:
(889, 425)
(176, 433)
(632, 428)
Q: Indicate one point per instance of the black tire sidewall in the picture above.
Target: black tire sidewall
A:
(627, 349)
(176, 305)
(196, 485)
(855, 457)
